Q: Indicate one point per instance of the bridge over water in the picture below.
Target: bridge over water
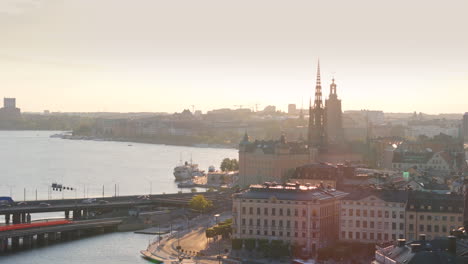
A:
(84, 221)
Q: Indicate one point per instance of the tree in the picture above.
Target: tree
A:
(210, 233)
(236, 243)
(229, 165)
(200, 203)
(250, 244)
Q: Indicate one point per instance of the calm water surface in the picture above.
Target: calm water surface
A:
(31, 160)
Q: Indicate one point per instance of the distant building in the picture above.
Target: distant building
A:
(271, 160)
(432, 214)
(9, 110)
(315, 174)
(436, 162)
(334, 119)
(294, 213)
(465, 127)
(269, 109)
(373, 216)
(292, 109)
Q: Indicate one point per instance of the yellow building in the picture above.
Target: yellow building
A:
(432, 214)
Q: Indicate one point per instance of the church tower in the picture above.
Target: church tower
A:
(317, 122)
(334, 125)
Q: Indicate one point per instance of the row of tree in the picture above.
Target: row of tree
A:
(223, 229)
(273, 248)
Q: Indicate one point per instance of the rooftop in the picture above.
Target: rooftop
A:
(290, 191)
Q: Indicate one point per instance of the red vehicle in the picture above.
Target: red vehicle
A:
(34, 225)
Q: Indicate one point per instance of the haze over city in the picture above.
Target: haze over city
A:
(164, 56)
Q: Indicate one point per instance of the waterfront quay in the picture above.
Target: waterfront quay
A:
(83, 217)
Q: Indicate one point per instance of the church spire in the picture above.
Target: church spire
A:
(318, 90)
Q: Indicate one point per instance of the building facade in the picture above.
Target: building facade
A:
(297, 214)
(316, 174)
(9, 110)
(373, 216)
(434, 215)
(261, 161)
(334, 125)
(440, 162)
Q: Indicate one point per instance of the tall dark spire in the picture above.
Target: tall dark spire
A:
(316, 116)
(318, 90)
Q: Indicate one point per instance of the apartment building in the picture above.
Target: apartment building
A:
(373, 216)
(432, 214)
(297, 214)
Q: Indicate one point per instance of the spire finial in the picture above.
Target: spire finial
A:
(318, 72)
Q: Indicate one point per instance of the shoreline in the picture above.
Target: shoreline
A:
(145, 141)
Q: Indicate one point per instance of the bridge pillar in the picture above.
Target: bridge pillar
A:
(67, 214)
(40, 239)
(16, 218)
(27, 241)
(76, 214)
(28, 218)
(3, 245)
(7, 219)
(51, 237)
(15, 243)
(65, 235)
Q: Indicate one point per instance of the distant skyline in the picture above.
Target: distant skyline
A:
(165, 56)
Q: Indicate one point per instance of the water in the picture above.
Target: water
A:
(31, 160)
(103, 249)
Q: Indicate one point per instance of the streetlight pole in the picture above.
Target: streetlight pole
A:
(219, 252)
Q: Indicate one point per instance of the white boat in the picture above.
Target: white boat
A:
(187, 172)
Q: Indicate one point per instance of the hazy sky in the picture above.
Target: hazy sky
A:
(150, 55)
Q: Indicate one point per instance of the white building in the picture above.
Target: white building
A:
(373, 216)
(297, 214)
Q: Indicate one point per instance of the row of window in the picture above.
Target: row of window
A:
(281, 212)
(431, 228)
(436, 218)
(386, 225)
(280, 223)
(374, 204)
(372, 213)
(274, 201)
(442, 208)
(372, 236)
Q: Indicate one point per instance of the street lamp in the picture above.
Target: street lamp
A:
(219, 252)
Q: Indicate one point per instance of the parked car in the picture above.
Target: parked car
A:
(89, 201)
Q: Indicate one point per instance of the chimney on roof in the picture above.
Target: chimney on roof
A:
(422, 237)
(452, 245)
(415, 247)
(401, 242)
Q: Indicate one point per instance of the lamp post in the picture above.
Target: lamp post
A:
(219, 252)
